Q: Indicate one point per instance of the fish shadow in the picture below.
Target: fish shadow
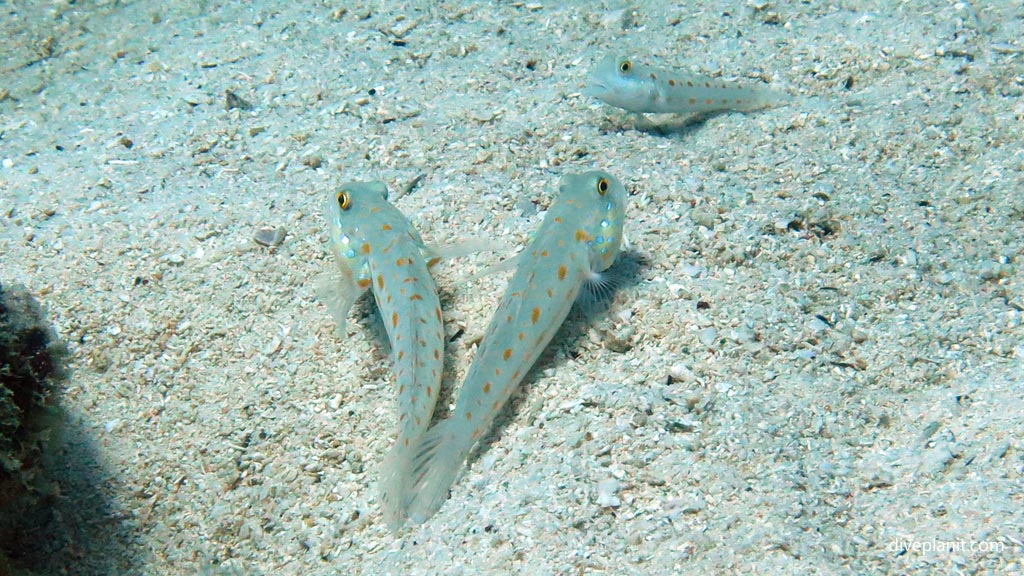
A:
(675, 126)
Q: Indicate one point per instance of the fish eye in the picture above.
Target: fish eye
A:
(625, 66)
(344, 200)
(602, 186)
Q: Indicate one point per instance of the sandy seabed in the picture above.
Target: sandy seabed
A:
(813, 365)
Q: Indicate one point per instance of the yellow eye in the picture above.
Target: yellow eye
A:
(602, 186)
(625, 66)
(344, 201)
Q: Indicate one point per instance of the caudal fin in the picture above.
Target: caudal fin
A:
(394, 476)
(436, 462)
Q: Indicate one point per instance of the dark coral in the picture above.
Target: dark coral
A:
(32, 366)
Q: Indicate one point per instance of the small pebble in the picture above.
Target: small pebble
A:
(606, 490)
(691, 270)
(990, 270)
(817, 325)
(929, 430)
(704, 216)
(270, 236)
(527, 208)
(707, 336)
(689, 504)
(232, 100)
(937, 458)
(335, 402)
(680, 372)
(680, 426)
(875, 474)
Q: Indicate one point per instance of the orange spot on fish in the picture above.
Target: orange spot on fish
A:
(582, 236)
(558, 219)
(469, 415)
(437, 354)
(562, 270)
(430, 391)
(497, 372)
(521, 335)
(544, 253)
(535, 315)
(415, 297)
(406, 442)
(487, 388)
(365, 248)
(364, 283)
(386, 227)
(507, 353)
(394, 319)
(671, 82)
(401, 354)
(380, 280)
(437, 312)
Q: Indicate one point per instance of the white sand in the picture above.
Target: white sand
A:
(834, 286)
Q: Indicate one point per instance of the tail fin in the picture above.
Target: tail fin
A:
(394, 477)
(437, 461)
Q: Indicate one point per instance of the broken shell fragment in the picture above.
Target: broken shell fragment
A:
(270, 236)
